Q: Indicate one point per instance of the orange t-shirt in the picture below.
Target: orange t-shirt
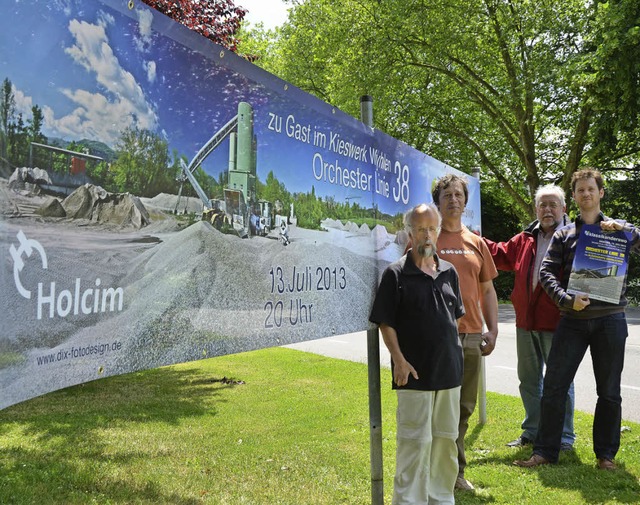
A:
(473, 262)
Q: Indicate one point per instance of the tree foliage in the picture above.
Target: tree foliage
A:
(16, 135)
(142, 166)
(622, 201)
(7, 109)
(275, 191)
(528, 91)
(217, 20)
(614, 65)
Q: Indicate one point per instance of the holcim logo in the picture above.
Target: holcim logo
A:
(78, 300)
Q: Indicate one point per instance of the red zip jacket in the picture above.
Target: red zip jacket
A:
(535, 311)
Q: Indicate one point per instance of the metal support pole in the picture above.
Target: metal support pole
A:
(375, 417)
(373, 360)
(482, 388)
(366, 110)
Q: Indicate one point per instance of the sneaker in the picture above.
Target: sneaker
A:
(463, 484)
(566, 446)
(521, 441)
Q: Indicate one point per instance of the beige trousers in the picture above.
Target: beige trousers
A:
(426, 453)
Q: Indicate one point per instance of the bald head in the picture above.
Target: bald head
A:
(423, 224)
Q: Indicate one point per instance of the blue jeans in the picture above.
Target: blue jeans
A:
(606, 336)
(533, 353)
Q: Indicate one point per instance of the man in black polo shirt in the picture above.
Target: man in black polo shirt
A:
(417, 307)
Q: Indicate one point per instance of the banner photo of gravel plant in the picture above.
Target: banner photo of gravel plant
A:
(164, 200)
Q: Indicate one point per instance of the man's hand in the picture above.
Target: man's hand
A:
(401, 371)
(488, 343)
(489, 304)
(401, 367)
(580, 302)
(610, 225)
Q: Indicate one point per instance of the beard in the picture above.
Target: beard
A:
(426, 249)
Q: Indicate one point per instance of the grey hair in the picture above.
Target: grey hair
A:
(550, 190)
(421, 207)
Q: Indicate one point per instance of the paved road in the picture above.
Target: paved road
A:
(501, 365)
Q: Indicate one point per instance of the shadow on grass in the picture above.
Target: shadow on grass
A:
(465, 497)
(60, 441)
(571, 473)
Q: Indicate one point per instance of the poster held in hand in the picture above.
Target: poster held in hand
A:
(600, 264)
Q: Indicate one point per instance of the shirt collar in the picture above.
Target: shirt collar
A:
(411, 268)
(580, 221)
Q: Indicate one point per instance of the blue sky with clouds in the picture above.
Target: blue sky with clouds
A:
(66, 64)
(95, 68)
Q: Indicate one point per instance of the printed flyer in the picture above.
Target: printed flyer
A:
(600, 264)
(164, 200)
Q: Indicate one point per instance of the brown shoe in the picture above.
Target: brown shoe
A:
(606, 464)
(535, 460)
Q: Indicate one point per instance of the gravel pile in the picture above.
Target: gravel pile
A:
(402, 239)
(331, 224)
(380, 237)
(167, 202)
(351, 227)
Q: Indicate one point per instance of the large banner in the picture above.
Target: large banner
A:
(169, 201)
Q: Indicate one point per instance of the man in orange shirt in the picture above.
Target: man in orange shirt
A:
(476, 270)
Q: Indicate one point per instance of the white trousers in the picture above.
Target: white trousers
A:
(426, 453)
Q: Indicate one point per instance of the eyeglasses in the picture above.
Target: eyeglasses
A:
(424, 230)
(549, 205)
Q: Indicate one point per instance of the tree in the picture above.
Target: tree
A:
(34, 125)
(517, 88)
(256, 42)
(614, 67)
(7, 112)
(17, 142)
(275, 191)
(34, 134)
(142, 166)
(218, 20)
(102, 175)
(15, 135)
(309, 209)
(622, 201)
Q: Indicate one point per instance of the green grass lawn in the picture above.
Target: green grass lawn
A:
(275, 426)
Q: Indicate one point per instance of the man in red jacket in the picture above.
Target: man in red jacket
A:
(536, 314)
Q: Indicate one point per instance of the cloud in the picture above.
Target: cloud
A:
(150, 67)
(63, 5)
(145, 18)
(95, 116)
(142, 42)
(118, 101)
(23, 103)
